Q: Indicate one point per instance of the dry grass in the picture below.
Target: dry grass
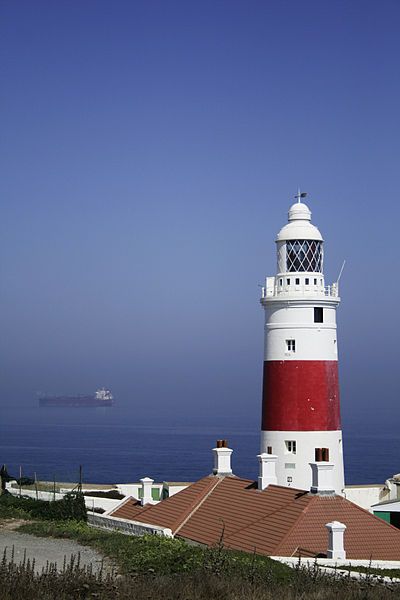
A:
(19, 582)
(157, 568)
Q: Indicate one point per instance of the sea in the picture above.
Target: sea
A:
(113, 447)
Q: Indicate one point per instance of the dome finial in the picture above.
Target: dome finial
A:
(300, 195)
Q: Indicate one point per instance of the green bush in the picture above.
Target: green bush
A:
(162, 556)
(211, 578)
(72, 506)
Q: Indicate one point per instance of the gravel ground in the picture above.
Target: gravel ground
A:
(45, 550)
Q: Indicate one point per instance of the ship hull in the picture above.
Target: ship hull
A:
(77, 402)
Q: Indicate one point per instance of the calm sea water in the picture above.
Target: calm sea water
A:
(113, 448)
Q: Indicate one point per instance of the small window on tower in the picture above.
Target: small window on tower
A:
(287, 281)
(307, 281)
(291, 345)
(290, 446)
(315, 282)
(297, 281)
(280, 282)
(318, 314)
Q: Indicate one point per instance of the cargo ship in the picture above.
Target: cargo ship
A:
(102, 397)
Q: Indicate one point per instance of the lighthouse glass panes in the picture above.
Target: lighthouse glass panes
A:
(304, 255)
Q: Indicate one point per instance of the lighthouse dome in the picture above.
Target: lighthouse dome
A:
(299, 226)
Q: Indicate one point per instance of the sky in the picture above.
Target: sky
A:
(149, 154)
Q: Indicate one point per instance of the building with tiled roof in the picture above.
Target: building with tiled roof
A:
(274, 521)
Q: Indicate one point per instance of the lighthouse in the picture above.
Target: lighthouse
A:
(301, 406)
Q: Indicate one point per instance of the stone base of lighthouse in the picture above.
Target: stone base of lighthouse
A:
(296, 450)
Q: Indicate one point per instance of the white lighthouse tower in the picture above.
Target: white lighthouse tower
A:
(301, 407)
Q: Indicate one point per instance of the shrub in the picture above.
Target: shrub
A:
(74, 582)
(72, 506)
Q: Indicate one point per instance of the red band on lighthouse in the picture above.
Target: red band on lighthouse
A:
(301, 396)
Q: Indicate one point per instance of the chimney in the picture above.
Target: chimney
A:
(147, 485)
(222, 459)
(322, 478)
(322, 473)
(335, 540)
(267, 473)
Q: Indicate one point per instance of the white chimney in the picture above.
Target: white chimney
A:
(335, 540)
(322, 478)
(222, 459)
(147, 485)
(267, 473)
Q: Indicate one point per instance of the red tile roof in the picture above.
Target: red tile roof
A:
(366, 536)
(128, 509)
(173, 512)
(276, 521)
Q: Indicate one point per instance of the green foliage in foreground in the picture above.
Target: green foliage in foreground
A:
(72, 582)
(72, 506)
(161, 556)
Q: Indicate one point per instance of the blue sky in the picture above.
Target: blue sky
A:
(149, 152)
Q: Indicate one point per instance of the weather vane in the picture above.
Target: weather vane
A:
(300, 195)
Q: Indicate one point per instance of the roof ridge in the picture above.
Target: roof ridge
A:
(195, 505)
(260, 518)
(296, 522)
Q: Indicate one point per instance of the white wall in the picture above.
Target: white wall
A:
(314, 341)
(91, 502)
(48, 496)
(127, 526)
(296, 467)
(366, 495)
(107, 504)
(132, 489)
(174, 488)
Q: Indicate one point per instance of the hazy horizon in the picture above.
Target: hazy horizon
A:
(150, 153)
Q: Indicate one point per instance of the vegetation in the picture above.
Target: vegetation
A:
(207, 582)
(72, 506)
(372, 571)
(152, 566)
(154, 554)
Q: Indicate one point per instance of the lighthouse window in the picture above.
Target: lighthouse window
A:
(287, 281)
(297, 281)
(291, 345)
(290, 446)
(318, 314)
(304, 255)
(280, 282)
(307, 281)
(315, 282)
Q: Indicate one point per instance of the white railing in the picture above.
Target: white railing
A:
(330, 291)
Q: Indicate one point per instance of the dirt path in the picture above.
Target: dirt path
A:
(45, 550)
